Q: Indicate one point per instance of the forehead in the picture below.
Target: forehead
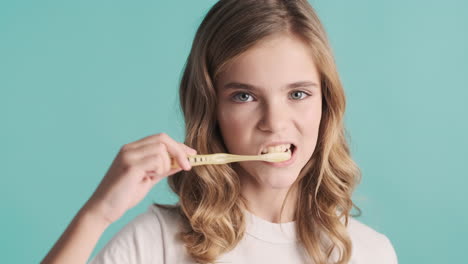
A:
(276, 61)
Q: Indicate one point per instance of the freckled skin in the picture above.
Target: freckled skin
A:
(248, 119)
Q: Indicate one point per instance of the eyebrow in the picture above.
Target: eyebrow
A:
(238, 85)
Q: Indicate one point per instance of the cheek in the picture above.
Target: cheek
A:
(229, 120)
(313, 119)
(310, 119)
(233, 126)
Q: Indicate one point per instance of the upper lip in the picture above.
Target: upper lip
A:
(274, 143)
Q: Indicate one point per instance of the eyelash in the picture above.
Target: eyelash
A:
(237, 94)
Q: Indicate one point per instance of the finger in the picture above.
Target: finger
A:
(166, 160)
(188, 149)
(177, 152)
(155, 177)
(161, 149)
(152, 179)
(153, 166)
(156, 138)
(149, 139)
(153, 163)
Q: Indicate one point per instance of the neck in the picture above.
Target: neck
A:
(266, 203)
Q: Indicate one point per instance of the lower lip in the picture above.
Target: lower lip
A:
(283, 163)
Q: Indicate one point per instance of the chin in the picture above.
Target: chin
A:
(278, 180)
(274, 178)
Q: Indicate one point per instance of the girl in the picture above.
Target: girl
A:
(260, 78)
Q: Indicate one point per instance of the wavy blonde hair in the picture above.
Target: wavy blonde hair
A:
(210, 202)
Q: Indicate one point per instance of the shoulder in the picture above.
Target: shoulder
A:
(143, 239)
(156, 219)
(165, 213)
(369, 245)
(159, 221)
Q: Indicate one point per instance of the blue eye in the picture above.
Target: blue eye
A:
(243, 97)
(299, 93)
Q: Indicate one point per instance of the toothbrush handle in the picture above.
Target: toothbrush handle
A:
(175, 164)
(194, 160)
(218, 158)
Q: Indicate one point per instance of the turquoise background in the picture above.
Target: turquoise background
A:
(79, 79)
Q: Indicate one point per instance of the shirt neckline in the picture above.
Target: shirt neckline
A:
(278, 233)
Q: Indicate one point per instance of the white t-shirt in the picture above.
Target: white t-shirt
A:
(151, 238)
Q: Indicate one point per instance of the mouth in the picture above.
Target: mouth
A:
(287, 163)
(279, 148)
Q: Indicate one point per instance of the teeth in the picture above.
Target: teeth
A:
(278, 148)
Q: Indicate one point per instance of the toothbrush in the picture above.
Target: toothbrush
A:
(223, 158)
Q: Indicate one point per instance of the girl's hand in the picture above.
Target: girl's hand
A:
(135, 170)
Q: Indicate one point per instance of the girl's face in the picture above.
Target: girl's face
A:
(269, 96)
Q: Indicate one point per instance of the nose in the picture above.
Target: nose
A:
(274, 117)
